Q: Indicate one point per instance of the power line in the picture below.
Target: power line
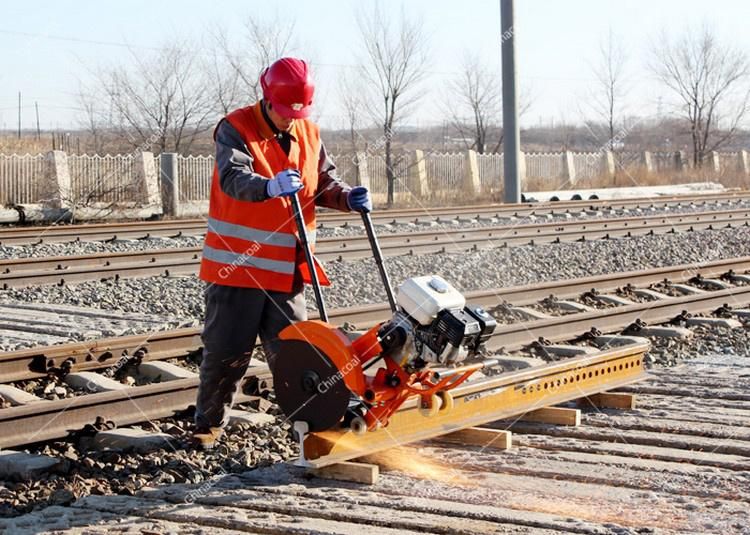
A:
(77, 40)
(129, 46)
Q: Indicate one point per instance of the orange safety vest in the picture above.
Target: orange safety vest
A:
(254, 244)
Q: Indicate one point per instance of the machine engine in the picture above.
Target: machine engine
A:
(434, 325)
(324, 377)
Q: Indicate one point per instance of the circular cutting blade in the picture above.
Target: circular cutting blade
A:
(309, 386)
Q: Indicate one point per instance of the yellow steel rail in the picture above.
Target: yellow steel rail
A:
(483, 401)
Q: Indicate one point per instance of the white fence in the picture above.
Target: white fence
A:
(444, 172)
(108, 178)
(21, 178)
(194, 175)
(490, 171)
(545, 165)
(80, 180)
(376, 172)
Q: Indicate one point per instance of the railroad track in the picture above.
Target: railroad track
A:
(179, 261)
(97, 354)
(720, 283)
(675, 464)
(192, 227)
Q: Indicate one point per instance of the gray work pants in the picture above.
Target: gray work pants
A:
(234, 319)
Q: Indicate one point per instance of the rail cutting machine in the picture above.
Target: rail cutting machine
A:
(328, 379)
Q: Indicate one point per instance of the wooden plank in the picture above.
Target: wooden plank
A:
(609, 400)
(641, 451)
(481, 402)
(554, 415)
(483, 437)
(667, 389)
(368, 506)
(613, 433)
(594, 469)
(349, 471)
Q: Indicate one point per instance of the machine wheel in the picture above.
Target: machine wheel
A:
(432, 408)
(358, 425)
(446, 401)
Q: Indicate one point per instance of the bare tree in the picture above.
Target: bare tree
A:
(609, 70)
(474, 105)
(158, 102)
(353, 99)
(395, 59)
(263, 42)
(709, 80)
(92, 120)
(605, 100)
(474, 102)
(352, 94)
(227, 87)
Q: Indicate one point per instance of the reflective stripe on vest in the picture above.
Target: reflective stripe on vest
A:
(266, 237)
(242, 260)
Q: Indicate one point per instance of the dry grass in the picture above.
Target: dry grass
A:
(636, 177)
(628, 177)
(640, 177)
(633, 177)
(25, 145)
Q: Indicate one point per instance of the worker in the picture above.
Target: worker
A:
(252, 258)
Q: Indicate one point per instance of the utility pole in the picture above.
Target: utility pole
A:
(512, 141)
(38, 130)
(19, 115)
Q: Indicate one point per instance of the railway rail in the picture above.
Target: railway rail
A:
(185, 227)
(676, 463)
(96, 354)
(719, 283)
(176, 261)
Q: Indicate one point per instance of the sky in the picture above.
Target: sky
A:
(49, 48)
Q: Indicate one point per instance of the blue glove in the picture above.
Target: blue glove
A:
(286, 183)
(359, 199)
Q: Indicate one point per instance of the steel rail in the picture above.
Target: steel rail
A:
(486, 400)
(518, 335)
(182, 261)
(50, 419)
(97, 354)
(481, 402)
(176, 227)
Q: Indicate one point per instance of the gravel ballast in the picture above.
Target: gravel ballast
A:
(425, 222)
(86, 471)
(357, 282)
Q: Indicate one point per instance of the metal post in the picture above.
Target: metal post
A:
(378, 255)
(38, 130)
(302, 229)
(512, 141)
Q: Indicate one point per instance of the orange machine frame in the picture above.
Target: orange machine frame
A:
(389, 388)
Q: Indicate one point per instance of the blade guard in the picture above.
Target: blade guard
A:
(334, 344)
